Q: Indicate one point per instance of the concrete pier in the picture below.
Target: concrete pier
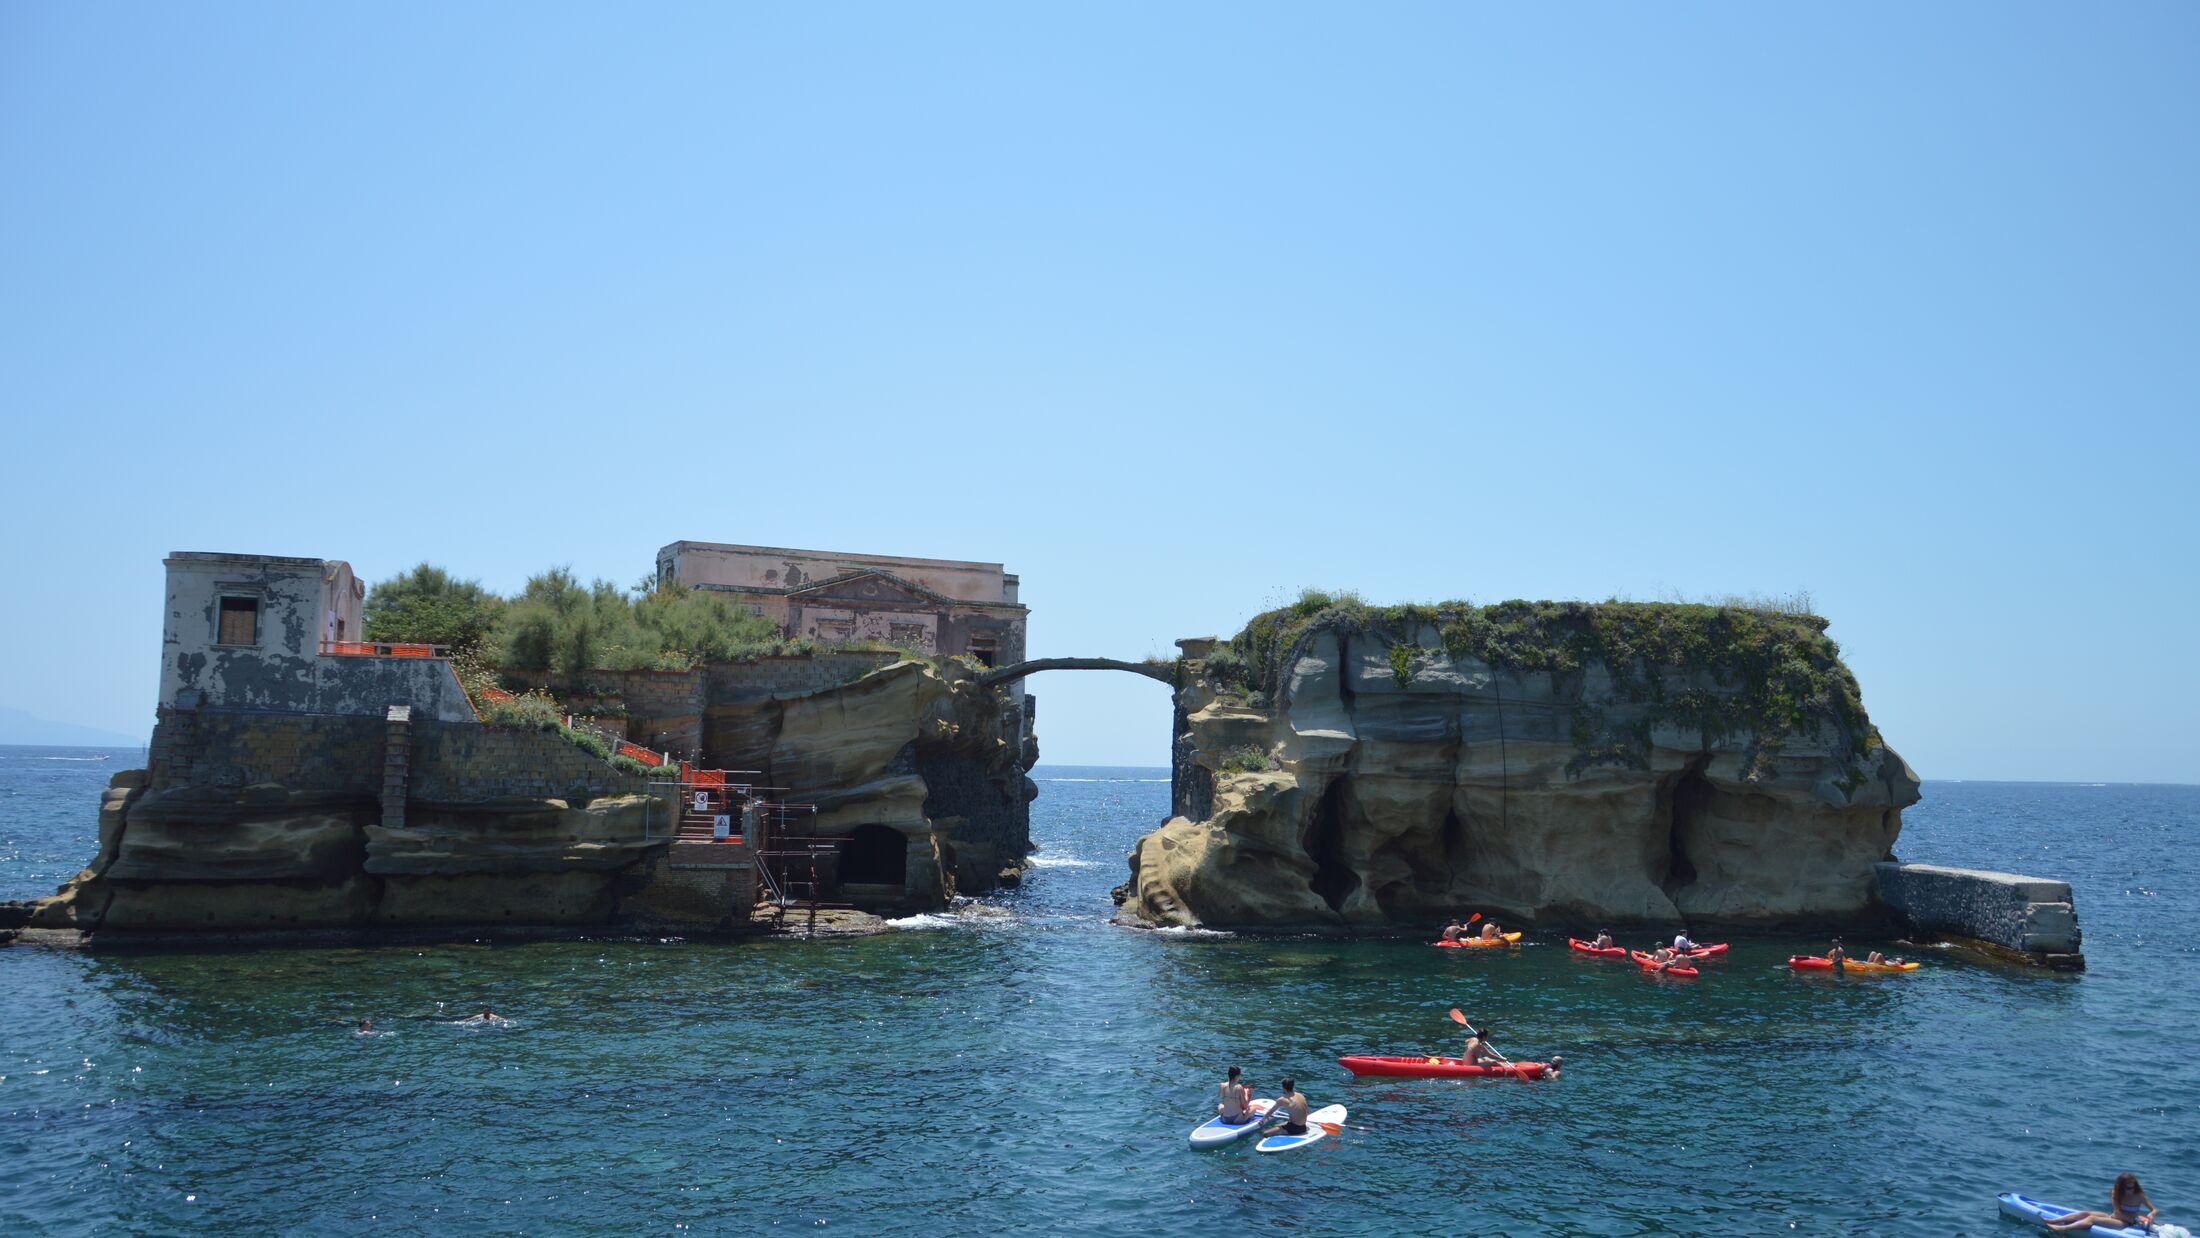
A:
(2031, 918)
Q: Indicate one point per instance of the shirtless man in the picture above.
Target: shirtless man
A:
(1604, 939)
(1291, 1108)
(1478, 1051)
(1451, 931)
(1490, 931)
(365, 1028)
(1236, 1097)
(1836, 955)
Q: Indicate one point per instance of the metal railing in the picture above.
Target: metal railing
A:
(382, 649)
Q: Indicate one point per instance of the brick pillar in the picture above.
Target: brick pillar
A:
(396, 765)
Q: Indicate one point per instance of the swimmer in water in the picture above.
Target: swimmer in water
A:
(365, 1028)
(486, 1018)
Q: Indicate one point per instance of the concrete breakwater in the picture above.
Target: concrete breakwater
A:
(2033, 918)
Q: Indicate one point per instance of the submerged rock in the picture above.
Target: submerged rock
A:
(1346, 767)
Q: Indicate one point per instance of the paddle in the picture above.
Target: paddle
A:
(1461, 1020)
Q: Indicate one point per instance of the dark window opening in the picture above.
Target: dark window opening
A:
(875, 855)
(240, 622)
(983, 649)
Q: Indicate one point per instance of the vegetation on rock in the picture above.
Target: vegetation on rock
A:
(1730, 669)
(429, 604)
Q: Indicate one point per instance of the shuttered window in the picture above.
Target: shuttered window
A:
(240, 622)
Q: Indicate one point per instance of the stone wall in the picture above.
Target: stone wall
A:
(234, 748)
(2032, 916)
(456, 762)
(790, 676)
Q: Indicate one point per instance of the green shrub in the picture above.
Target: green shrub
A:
(534, 711)
(429, 604)
(1251, 759)
(588, 741)
(629, 765)
(1401, 663)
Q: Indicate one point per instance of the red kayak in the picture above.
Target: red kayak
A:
(1708, 952)
(1440, 1068)
(1609, 952)
(1651, 964)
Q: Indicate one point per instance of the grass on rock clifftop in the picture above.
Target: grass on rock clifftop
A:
(1775, 673)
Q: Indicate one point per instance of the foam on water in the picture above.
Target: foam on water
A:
(1052, 861)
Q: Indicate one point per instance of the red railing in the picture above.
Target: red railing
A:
(382, 649)
(646, 757)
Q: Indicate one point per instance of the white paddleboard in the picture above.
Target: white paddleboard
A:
(1214, 1132)
(1314, 1132)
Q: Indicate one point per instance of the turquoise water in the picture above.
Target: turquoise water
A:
(1024, 1066)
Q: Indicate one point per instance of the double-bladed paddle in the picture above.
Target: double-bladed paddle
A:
(1461, 1020)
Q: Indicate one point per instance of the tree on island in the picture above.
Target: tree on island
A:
(429, 604)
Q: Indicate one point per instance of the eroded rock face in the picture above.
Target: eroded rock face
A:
(1412, 780)
(915, 748)
(916, 754)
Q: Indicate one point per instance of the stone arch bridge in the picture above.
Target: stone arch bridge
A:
(1165, 672)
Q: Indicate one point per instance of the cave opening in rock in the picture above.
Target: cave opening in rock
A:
(1682, 800)
(874, 855)
(1333, 877)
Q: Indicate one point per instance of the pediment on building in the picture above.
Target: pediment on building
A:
(868, 585)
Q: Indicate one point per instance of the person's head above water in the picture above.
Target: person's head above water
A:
(487, 1013)
(366, 1025)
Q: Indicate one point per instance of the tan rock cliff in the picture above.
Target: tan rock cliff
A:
(1426, 762)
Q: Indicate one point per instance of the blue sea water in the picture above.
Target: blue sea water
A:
(1024, 1066)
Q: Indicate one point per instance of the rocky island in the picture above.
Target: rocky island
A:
(1345, 766)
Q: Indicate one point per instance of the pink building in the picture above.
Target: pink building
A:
(944, 606)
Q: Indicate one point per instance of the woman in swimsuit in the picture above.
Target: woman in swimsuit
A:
(2126, 1201)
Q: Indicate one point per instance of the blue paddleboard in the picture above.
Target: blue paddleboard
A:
(1214, 1132)
(2026, 1208)
(1314, 1132)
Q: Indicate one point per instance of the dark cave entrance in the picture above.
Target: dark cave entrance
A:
(1681, 801)
(1334, 879)
(875, 855)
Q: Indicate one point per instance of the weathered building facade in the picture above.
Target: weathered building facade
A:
(278, 632)
(939, 606)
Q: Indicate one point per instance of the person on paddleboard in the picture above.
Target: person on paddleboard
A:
(1237, 1097)
(1291, 1107)
(2130, 1205)
(1452, 931)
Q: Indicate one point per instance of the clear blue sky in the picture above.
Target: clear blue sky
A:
(1174, 309)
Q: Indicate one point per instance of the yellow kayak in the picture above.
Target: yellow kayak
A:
(1811, 962)
(1506, 939)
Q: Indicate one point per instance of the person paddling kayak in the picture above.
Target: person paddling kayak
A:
(1235, 1107)
(1291, 1108)
(1452, 931)
(1490, 931)
(1478, 1052)
(1604, 939)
